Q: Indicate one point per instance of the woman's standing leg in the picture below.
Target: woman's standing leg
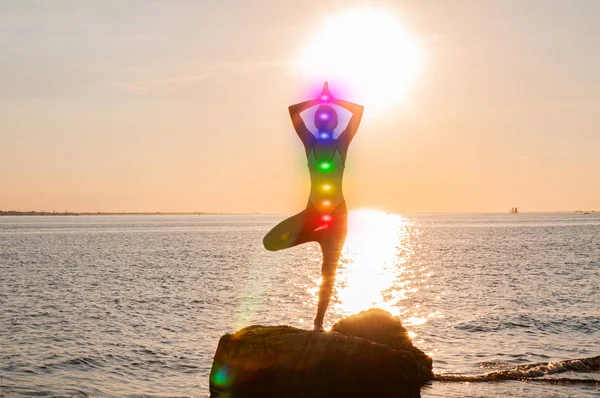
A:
(332, 244)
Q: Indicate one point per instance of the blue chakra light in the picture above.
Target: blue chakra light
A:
(324, 136)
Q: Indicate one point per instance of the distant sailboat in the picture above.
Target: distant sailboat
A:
(514, 210)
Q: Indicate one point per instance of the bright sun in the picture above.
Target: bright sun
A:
(364, 54)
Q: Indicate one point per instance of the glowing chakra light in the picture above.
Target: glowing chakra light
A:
(326, 187)
(323, 116)
(325, 166)
(324, 97)
(326, 218)
(326, 203)
(324, 135)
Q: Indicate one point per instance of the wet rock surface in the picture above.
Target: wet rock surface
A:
(365, 355)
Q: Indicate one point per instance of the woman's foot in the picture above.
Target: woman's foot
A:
(319, 328)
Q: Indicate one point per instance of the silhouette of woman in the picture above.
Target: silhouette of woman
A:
(324, 220)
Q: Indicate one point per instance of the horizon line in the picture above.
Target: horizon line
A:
(141, 213)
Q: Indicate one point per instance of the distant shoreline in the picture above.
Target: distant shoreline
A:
(68, 213)
(190, 213)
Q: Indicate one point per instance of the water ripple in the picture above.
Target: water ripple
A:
(133, 306)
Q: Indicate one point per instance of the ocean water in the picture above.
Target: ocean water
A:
(133, 306)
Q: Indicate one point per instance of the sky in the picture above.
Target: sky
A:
(176, 106)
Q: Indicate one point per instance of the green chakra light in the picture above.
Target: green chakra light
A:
(325, 166)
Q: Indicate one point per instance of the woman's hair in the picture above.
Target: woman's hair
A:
(326, 118)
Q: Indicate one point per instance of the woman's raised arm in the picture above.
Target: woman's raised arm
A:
(357, 111)
(303, 132)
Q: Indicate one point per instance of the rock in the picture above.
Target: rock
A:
(381, 327)
(282, 361)
(376, 325)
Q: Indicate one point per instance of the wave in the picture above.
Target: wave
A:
(535, 372)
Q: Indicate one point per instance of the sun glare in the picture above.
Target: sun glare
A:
(376, 251)
(365, 54)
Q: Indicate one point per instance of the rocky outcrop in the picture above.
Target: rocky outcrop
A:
(379, 326)
(366, 355)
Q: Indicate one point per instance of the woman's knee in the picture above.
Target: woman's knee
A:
(276, 240)
(270, 243)
(286, 234)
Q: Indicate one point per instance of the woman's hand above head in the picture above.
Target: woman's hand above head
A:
(327, 97)
(325, 93)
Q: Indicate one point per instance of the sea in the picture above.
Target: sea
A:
(134, 306)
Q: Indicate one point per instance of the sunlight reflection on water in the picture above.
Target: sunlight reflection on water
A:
(135, 305)
(376, 268)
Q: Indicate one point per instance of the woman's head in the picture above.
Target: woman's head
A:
(326, 119)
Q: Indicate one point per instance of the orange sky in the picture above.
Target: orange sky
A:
(182, 106)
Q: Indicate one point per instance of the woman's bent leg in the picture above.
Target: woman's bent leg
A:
(291, 231)
(307, 226)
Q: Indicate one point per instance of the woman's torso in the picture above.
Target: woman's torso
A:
(326, 167)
